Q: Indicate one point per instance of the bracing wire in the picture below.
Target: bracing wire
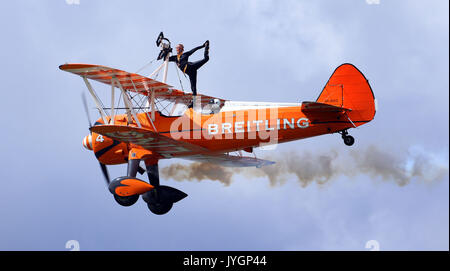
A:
(182, 88)
(145, 66)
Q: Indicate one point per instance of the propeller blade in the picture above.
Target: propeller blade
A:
(86, 110)
(105, 173)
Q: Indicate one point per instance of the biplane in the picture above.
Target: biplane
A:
(149, 120)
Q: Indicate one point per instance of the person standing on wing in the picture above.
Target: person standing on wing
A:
(190, 68)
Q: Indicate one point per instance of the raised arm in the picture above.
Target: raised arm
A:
(173, 59)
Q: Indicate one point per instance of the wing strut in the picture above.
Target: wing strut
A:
(96, 100)
(112, 102)
(127, 102)
(152, 103)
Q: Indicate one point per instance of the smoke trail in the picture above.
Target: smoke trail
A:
(198, 171)
(306, 166)
(320, 168)
(401, 168)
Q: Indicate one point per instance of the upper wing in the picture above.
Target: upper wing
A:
(131, 82)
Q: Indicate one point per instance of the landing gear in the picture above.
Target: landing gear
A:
(126, 190)
(155, 205)
(126, 201)
(160, 208)
(159, 198)
(348, 139)
(153, 198)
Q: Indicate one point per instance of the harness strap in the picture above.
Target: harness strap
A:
(185, 66)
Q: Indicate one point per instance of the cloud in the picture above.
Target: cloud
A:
(297, 31)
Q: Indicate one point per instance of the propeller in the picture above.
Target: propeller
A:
(105, 173)
(102, 166)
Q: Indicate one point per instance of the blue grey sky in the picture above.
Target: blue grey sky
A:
(285, 51)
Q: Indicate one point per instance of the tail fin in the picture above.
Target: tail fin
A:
(348, 88)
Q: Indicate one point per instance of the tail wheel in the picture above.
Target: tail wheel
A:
(126, 201)
(349, 140)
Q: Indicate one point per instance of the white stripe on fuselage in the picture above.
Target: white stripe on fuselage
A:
(236, 106)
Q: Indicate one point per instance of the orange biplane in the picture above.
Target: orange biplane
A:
(150, 120)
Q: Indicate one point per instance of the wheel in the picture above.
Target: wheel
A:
(126, 201)
(157, 205)
(159, 208)
(348, 140)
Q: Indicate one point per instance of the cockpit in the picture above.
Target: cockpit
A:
(199, 105)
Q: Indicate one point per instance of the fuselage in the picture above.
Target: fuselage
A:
(238, 125)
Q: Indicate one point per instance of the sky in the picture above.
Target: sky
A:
(275, 51)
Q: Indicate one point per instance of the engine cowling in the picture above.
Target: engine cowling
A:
(108, 151)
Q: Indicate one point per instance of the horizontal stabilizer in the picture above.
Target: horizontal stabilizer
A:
(311, 107)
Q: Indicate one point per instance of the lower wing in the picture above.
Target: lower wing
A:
(168, 147)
